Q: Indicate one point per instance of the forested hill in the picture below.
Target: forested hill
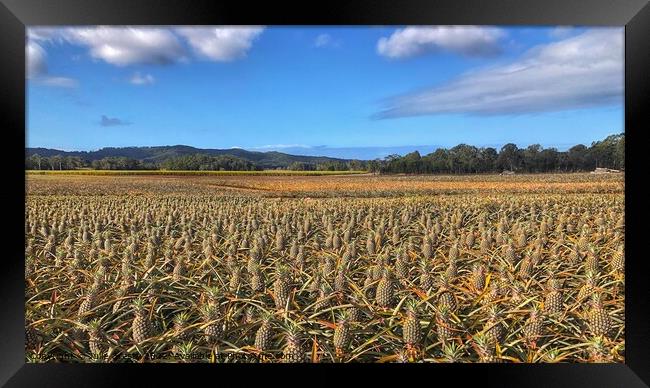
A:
(158, 155)
(461, 159)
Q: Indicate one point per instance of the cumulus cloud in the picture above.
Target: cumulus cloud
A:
(36, 68)
(35, 60)
(221, 44)
(142, 79)
(44, 33)
(123, 46)
(473, 41)
(112, 122)
(579, 72)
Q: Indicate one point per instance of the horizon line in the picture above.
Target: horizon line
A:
(272, 148)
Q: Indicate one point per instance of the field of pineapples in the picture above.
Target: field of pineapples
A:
(186, 270)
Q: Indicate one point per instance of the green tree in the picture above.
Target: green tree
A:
(440, 162)
(56, 161)
(509, 157)
(619, 153)
(464, 158)
(487, 159)
(531, 158)
(374, 166)
(36, 158)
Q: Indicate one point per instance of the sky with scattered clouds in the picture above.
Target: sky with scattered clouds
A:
(322, 90)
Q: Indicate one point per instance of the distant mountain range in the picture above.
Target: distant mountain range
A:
(360, 153)
(269, 159)
(266, 156)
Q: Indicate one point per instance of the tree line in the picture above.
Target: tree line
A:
(59, 162)
(461, 159)
(202, 162)
(466, 159)
(351, 165)
(195, 162)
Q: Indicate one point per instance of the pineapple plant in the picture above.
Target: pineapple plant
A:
(187, 352)
(96, 342)
(264, 334)
(235, 280)
(598, 350)
(281, 289)
(446, 297)
(324, 301)
(452, 270)
(89, 302)
(257, 281)
(385, 290)
(279, 241)
(533, 328)
(212, 329)
(411, 330)
(341, 282)
(599, 321)
(179, 270)
(453, 352)
(425, 280)
(141, 325)
(293, 352)
(342, 335)
(402, 268)
(553, 301)
(32, 335)
(427, 249)
(370, 245)
(591, 262)
(445, 326)
(493, 329)
(485, 348)
(588, 288)
(526, 267)
(478, 277)
(618, 260)
(181, 322)
(354, 314)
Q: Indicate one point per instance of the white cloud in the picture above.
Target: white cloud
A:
(579, 72)
(43, 33)
(142, 79)
(35, 60)
(282, 146)
(464, 40)
(326, 40)
(561, 32)
(123, 46)
(221, 44)
(36, 68)
(322, 40)
(62, 82)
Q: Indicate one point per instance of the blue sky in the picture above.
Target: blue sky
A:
(356, 91)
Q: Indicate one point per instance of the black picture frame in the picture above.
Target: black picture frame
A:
(15, 15)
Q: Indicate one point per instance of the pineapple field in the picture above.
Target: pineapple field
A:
(350, 268)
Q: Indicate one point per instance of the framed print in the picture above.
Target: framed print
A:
(348, 186)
